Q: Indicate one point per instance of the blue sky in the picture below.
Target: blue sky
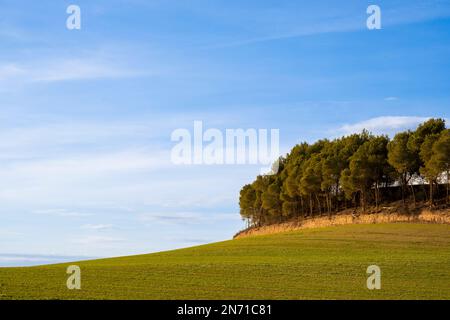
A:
(86, 115)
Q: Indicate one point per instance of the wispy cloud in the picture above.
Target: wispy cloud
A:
(94, 63)
(8, 233)
(383, 125)
(192, 241)
(97, 226)
(62, 213)
(391, 99)
(294, 21)
(11, 71)
(18, 259)
(99, 164)
(63, 70)
(186, 217)
(92, 176)
(96, 240)
(88, 164)
(182, 217)
(69, 134)
(10, 32)
(79, 69)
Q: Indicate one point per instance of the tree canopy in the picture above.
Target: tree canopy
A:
(353, 171)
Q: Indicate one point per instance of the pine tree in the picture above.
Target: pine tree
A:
(430, 169)
(441, 157)
(404, 160)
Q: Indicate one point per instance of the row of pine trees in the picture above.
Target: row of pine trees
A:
(354, 171)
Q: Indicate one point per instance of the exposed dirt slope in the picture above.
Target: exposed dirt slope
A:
(384, 215)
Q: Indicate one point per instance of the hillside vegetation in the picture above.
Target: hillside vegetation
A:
(389, 214)
(354, 171)
(323, 263)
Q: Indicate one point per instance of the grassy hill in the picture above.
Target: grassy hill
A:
(324, 263)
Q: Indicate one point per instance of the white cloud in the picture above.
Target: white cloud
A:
(18, 73)
(97, 240)
(8, 233)
(45, 141)
(9, 32)
(8, 71)
(22, 259)
(391, 99)
(101, 164)
(294, 21)
(73, 149)
(62, 213)
(78, 69)
(18, 259)
(97, 226)
(383, 125)
(187, 217)
(90, 177)
(87, 164)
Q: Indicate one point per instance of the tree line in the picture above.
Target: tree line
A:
(354, 171)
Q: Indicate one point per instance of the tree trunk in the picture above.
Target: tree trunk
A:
(330, 204)
(380, 196)
(414, 196)
(448, 186)
(431, 194)
(363, 201)
(327, 200)
(403, 190)
(376, 195)
(425, 192)
(303, 206)
(318, 203)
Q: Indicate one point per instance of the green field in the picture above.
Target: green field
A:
(326, 263)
